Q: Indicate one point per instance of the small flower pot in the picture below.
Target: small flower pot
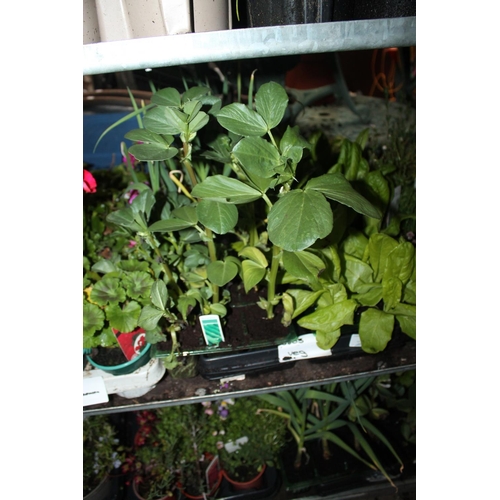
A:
(253, 484)
(128, 366)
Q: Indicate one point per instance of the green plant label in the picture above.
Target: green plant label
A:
(212, 329)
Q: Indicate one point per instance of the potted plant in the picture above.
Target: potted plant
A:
(249, 440)
(238, 211)
(116, 286)
(322, 416)
(102, 456)
(151, 461)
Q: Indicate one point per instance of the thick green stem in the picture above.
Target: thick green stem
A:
(271, 287)
(210, 236)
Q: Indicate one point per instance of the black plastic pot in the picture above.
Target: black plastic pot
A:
(284, 12)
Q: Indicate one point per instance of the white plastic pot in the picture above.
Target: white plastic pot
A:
(132, 385)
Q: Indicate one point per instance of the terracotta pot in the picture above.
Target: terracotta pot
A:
(254, 484)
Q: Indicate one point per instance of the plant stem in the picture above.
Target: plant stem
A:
(210, 236)
(271, 287)
(164, 265)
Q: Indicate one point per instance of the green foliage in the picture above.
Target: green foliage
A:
(102, 451)
(330, 412)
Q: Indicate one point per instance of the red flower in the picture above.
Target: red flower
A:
(89, 183)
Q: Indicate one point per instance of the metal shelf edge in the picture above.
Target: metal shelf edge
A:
(175, 50)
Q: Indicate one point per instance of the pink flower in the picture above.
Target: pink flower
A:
(132, 195)
(89, 183)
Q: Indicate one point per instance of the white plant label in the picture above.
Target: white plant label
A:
(354, 341)
(304, 347)
(235, 445)
(94, 391)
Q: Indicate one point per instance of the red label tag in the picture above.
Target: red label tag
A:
(131, 343)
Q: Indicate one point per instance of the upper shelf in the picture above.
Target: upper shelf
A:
(175, 50)
(304, 373)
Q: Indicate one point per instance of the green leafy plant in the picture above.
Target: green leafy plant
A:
(102, 451)
(261, 170)
(319, 413)
(368, 267)
(248, 439)
(114, 297)
(151, 462)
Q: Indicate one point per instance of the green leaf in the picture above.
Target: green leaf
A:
(298, 219)
(185, 304)
(153, 152)
(401, 262)
(375, 330)
(336, 187)
(379, 247)
(226, 190)
(327, 339)
(167, 97)
(292, 144)
(198, 122)
(159, 294)
(370, 297)
(257, 156)
(305, 266)
(255, 255)
(143, 203)
(253, 274)
(303, 299)
(104, 266)
(93, 320)
(125, 218)
(408, 325)
(329, 319)
(166, 226)
(197, 92)
(138, 284)
(357, 274)
(221, 272)
(165, 120)
(107, 291)
(238, 119)
(271, 101)
(123, 319)
(219, 217)
(219, 309)
(149, 317)
(392, 289)
(186, 213)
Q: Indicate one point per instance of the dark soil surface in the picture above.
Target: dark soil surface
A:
(245, 325)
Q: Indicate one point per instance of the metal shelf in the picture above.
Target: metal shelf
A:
(175, 50)
(306, 373)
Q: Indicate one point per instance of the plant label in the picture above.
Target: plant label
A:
(131, 343)
(303, 347)
(212, 329)
(94, 391)
(213, 474)
(232, 446)
(354, 341)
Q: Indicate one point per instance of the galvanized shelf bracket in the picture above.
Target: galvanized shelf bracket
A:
(175, 50)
